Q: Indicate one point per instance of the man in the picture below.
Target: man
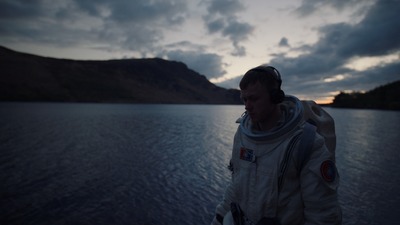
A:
(268, 186)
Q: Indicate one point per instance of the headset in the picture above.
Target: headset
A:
(277, 95)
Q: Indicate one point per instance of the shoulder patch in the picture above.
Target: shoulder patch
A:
(328, 170)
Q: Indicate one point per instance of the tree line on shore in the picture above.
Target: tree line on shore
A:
(383, 97)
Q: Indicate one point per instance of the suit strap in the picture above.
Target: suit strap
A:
(306, 145)
(304, 151)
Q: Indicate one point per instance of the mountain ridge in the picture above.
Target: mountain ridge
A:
(28, 77)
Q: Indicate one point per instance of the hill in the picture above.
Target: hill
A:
(26, 77)
(383, 97)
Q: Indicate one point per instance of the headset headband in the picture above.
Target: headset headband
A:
(267, 69)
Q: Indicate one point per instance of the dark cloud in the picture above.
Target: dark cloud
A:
(123, 24)
(383, 74)
(357, 81)
(216, 25)
(196, 57)
(159, 12)
(375, 35)
(17, 9)
(207, 64)
(186, 45)
(224, 7)
(221, 18)
(237, 31)
(239, 50)
(284, 42)
(136, 26)
(321, 68)
(308, 7)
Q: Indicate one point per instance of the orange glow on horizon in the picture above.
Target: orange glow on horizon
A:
(325, 100)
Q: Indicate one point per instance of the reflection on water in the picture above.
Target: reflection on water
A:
(165, 164)
(368, 161)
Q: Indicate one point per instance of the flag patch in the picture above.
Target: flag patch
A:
(247, 154)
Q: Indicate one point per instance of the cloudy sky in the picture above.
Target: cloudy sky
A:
(320, 47)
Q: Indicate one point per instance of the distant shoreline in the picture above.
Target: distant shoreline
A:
(161, 103)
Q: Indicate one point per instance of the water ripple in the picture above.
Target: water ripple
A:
(165, 164)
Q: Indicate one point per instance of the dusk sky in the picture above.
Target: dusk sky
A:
(320, 47)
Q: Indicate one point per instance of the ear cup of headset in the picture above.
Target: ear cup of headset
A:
(277, 96)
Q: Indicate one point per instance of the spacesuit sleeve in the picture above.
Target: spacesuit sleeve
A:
(319, 185)
(224, 206)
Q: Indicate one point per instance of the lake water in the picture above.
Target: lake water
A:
(67, 163)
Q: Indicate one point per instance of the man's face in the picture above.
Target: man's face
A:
(257, 102)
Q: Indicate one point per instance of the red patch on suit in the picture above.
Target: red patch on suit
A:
(328, 170)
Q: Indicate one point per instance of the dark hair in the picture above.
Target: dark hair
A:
(269, 77)
(266, 75)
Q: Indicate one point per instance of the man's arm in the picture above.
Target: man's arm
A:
(224, 206)
(319, 184)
